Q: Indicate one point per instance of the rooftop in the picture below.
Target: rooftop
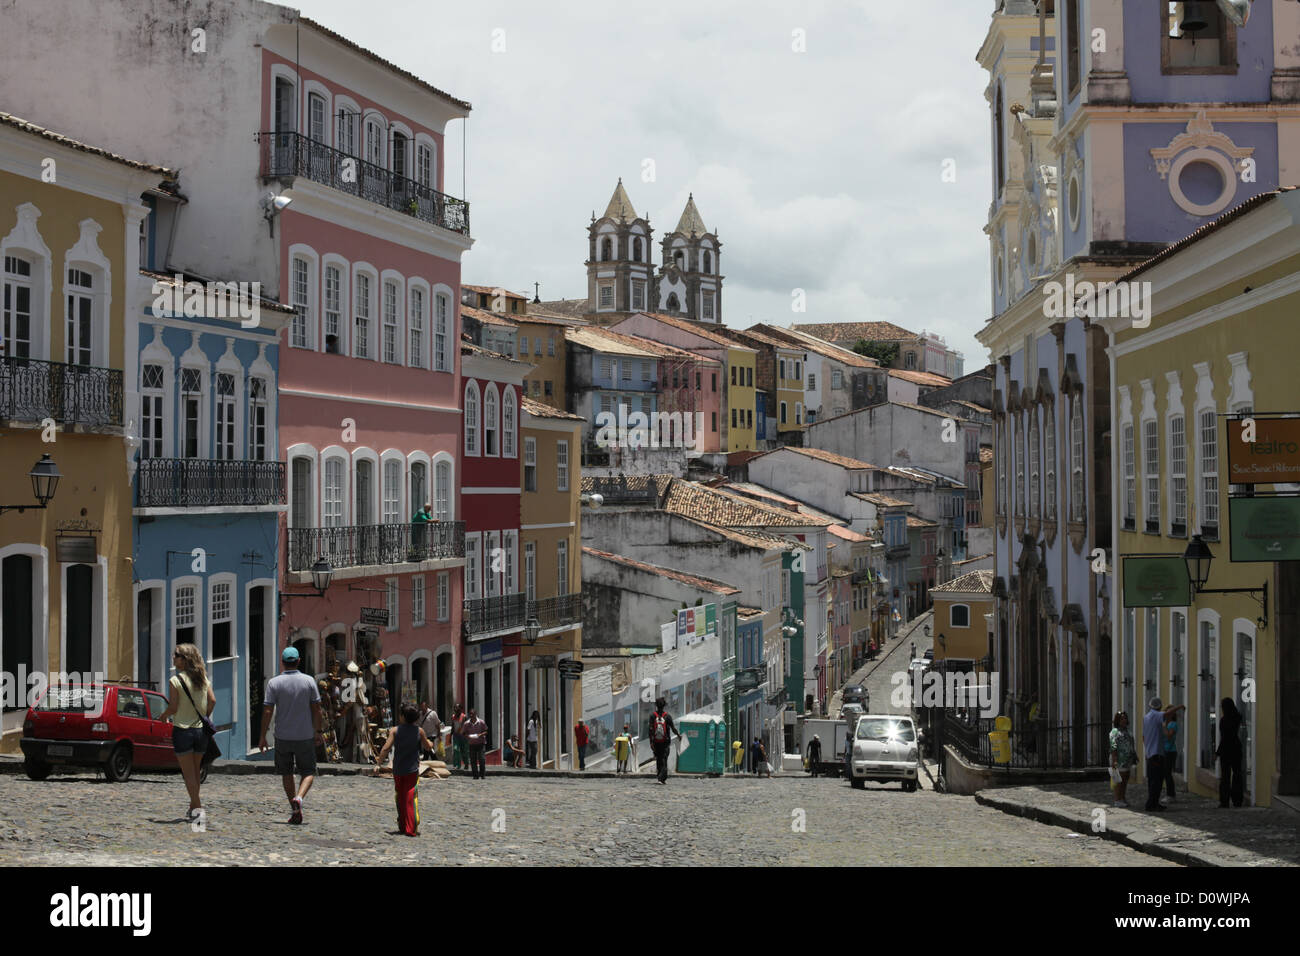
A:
(8, 119)
(840, 531)
(914, 522)
(718, 507)
(703, 331)
(853, 331)
(972, 582)
(843, 461)
(486, 317)
(920, 378)
(695, 581)
(493, 290)
(823, 348)
(570, 308)
(882, 500)
(539, 410)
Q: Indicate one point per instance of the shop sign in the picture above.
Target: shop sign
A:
(1273, 456)
(75, 549)
(374, 615)
(1156, 581)
(1264, 529)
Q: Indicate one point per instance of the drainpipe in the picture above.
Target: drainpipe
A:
(1115, 597)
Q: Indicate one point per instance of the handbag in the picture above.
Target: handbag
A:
(212, 751)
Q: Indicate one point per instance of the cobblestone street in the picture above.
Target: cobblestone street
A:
(70, 820)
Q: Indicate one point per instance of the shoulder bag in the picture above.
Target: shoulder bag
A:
(212, 751)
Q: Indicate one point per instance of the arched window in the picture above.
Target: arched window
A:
(332, 510)
(490, 422)
(364, 514)
(707, 263)
(636, 250)
(909, 360)
(680, 258)
(419, 485)
(1076, 461)
(999, 150)
(471, 419)
(16, 322)
(508, 424)
(959, 615)
(674, 305)
(606, 250)
(392, 491)
(442, 491)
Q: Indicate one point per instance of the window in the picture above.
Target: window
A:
(606, 296)
(798, 413)
(781, 366)
(707, 263)
(783, 413)
(491, 423)
(910, 361)
(221, 617)
(749, 418)
(151, 411)
(16, 320)
(715, 421)
(837, 379)
(1209, 474)
(80, 337)
(186, 632)
(1209, 697)
(424, 165)
(530, 571)
(1209, 46)
(257, 419)
(444, 595)
(301, 308)
(638, 291)
(419, 485)
(361, 345)
(1130, 479)
(530, 464)
(511, 542)
(393, 492)
(508, 424)
(347, 132)
(749, 377)
(798, 371)
(733, 417)
(391, 354)
(1073, 28)
(626, 367)
(959, 615)
(394, 596)
(561, 466)
(733, 375)
(562, 567)
(416, 356)
(550, 388)
(333, 501)
(191, 418)
(1177, 475)
(442, 491)
(364, 510)
(1076, 460)
(606, 367)
(606, 249)
(1151, 471)
(1035, 466)
(333, 308)
(550, 346)
(442, 362)
(707, 304)
(301, 514)
(1020, 466)
(645, 371)
(417, 600)
(225, 416)
(471, 419)
(374, 143)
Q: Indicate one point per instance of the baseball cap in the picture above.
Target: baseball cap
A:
(290, 654)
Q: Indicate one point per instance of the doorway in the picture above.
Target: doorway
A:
(79, 604)
(1245, 672)
(256, 660)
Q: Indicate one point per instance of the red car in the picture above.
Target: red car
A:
(110, 727)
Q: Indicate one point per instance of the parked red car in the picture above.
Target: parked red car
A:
(112, 727)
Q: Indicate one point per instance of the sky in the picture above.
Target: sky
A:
(820, 169)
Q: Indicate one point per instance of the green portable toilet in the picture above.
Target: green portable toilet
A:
(693, 755)
(720, 746)
(713, 747)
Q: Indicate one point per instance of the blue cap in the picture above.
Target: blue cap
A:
(290, 654)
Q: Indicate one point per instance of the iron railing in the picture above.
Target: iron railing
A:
(554, 611)
(495, 613)
(32, 390)
(1034, 744)
(292, 154)
(352, 546)
(896, 551)
(204, 482)
(617, 491)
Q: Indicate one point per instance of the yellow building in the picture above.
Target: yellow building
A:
(551, 529)
(741, 427)
(789, 390)
(70, 240)
(1221, 343)
(542, 342)
(961, 632)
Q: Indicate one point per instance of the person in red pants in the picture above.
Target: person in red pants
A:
(406, 741)
(580, 737)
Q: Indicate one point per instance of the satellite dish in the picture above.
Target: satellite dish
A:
(1237, 11)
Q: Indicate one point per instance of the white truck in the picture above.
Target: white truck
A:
(832, 734)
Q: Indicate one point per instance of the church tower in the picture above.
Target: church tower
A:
(690, 279)
(619, 272)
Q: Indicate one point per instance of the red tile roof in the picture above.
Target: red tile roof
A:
(695, 581)
(540, 410)
(486, 317)
(830, 457)
(851, 332)
(972, 582)
(920, 378)
(28, 127)
(700, 329)
(718, 507)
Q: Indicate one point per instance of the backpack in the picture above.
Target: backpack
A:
(659, 728)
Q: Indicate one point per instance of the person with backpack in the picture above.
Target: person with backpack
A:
(814, 754)
(661, 731)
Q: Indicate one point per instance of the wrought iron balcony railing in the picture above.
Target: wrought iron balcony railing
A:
(204, 482)
(292, 154)
(554, 611)
(896, 551)
(618, 490)
(350, 546)
(32, 390)
(500, 613)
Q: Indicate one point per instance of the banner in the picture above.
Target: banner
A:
(1156, 581)
(1274, 455)
(1264, 529)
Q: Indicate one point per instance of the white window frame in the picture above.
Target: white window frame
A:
(443, 510)
(228, 581)
(562, 465)
(393, 601)
(471, 415)
(417, 600)
(530, 462)
(491, 421)
(443, 596)
(473, 565)
(365, 285)
(342, 313)
(392, 308)
(444, 327)
(509, 422)
(301, 295)
(391, 505)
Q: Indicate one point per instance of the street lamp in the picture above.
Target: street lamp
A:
(1198, 557)
(45, 480)
(321, 576)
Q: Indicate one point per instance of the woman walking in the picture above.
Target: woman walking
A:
(190, 691)
(530, 738)
(1123, 756)
(1229, 754)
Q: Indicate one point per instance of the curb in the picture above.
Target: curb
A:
(1137, 839)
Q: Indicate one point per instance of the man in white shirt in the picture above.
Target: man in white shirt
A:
(430, 723)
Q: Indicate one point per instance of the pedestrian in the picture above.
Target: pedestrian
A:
(189, 740)
(1229, 754)
(580, 737)
(622, 749)
(661, 731)
(458, 749)
(1153, 748)
(1123, 757)
(476, 735)
(814, 754)
(406, 740)
(514, 754)
(420, 530)
(530, 738)
(297, 728)
(737, 756)
(756, 756)
(431, 726)
(764, 765)
(1171, 747)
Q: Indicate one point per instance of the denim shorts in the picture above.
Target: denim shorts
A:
(187, 740)
(300, 752)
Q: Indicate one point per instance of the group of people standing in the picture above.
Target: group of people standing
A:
(1160, 728)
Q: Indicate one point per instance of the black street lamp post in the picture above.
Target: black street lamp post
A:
(45, 480)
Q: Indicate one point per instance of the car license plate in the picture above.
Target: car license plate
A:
(59, 750)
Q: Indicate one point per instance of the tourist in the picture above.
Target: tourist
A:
(1153, 748)
(475, 730)
(1123, 757)
(1229, 754)
(297, 728)
(406, 741)
(189, 736)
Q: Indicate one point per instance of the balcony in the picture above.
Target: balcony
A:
(353, 546)
(557, 611)
(32, 390)
(287, 155)
(860, 576)
(618, 491)
(897, 551)
(207, 483)
(504, 613)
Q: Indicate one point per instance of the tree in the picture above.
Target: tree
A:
(886, 353)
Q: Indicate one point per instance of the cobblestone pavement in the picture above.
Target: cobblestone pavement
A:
(351, 819)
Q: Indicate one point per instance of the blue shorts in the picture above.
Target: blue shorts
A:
(187, 740)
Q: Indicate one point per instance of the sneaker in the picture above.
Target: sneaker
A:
(1121, 804)
(296, 818)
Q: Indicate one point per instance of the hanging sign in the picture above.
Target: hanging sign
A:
(1264, 529)
(1274, 455)
(1156, 581)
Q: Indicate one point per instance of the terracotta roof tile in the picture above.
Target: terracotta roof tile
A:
(914, 522)
(851, 332)
(492, 289)
(539, 410)
(973, 582)
(484, 316)
(886, 501)
(986, 455)
(702, 330)
(715, 506)
(752, 539)
(574, 308)
(847, 534)
(830, 457)
(26, 126)
(920, 378)
(704, 584)
(830, 350)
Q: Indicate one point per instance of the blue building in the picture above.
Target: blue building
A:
(208, 491)
(749, 658)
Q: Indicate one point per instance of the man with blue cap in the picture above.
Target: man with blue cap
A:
(294, 700)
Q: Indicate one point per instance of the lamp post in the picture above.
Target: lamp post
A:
(1198, 557)
(45, 481)
(321, 576)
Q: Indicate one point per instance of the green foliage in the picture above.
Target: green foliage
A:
(886, 353)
